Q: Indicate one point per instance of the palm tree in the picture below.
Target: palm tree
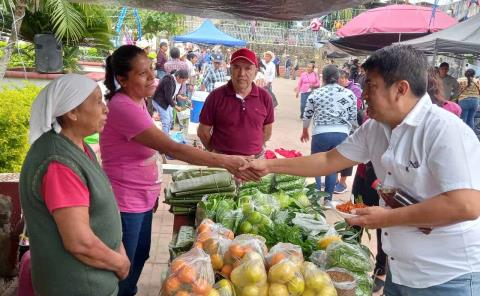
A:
(73, 24)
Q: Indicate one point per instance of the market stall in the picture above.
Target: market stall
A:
(259, 238)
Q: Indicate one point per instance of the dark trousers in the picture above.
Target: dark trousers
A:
(137, 235)
(322, 143)
(362, 187)
(303, 102)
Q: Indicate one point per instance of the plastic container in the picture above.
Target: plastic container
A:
(198, 99)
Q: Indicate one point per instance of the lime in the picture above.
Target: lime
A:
(245, 227)
(254, 218)
(247, 208)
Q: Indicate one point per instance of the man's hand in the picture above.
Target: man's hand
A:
(124, 269)
(258, 166)
(305, 136)
(234, 163)
(370, 217)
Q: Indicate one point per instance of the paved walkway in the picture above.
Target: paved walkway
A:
(286, 133)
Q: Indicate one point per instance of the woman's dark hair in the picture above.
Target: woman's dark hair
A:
(119, 64)
(435, 87)
(400, 62)
(313, 64)
(344, 74)
(191, 56)
(182, 74)
(470, 74)
(330, 74)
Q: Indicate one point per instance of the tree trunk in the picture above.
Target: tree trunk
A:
(16, 24)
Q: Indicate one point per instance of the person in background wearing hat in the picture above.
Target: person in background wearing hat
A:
(269, 68)
(214, 74)
(70, 210)
(333, 109)
(161, 60)
(175, 63)
(237, 118)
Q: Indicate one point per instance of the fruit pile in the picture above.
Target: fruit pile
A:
(284, 275)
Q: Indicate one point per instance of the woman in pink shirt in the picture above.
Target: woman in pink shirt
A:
(129, 145)
(308, 82)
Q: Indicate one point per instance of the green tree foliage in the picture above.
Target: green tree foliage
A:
(14, 125)
(154, 22)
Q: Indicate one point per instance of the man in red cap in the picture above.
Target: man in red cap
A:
(237, 118)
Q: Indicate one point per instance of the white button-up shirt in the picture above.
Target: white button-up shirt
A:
(431, 152)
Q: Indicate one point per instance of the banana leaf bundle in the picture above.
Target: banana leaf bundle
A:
(194, 173)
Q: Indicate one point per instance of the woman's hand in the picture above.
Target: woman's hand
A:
(305, 136)
(124, 269)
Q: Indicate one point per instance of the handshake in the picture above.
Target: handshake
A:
(245, 168)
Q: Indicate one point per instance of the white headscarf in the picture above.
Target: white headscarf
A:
(57, 98)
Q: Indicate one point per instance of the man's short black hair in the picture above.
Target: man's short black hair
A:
(175, 53)
(400, 62)
(182, 74)
(444, 64)
(163, 43)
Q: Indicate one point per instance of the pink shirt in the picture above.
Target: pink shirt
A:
(306, 81)
(62, 188)
(130, 166)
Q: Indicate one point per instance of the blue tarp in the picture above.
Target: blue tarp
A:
(207, 33)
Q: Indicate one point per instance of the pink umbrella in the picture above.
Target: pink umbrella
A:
(382, 26)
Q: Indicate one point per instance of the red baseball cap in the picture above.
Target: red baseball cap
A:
(246, 55)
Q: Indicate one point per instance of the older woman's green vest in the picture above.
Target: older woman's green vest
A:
(54, 270)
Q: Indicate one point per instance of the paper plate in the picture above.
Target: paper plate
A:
(333, 206)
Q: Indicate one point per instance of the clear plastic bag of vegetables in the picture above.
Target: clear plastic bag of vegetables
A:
(215, 240)
(317, 282)
(292, 184)
(351, 257)
(312, 224)
(328, 238)
(229, 218)
(224, 287)
(210, 204)
(284, 251)
(189, 274)
(284, 274)
(249, 276)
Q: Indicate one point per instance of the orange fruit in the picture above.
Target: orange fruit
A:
(227, 258)
(182, 293)
(177, 265)
(217, 261)
(227, 270)
(172, 284)
(198, 245)
(210, 246)
(236, 251)
(203, 228)
(201, 287)
(229, 234)
(276, 258)
(187, 274)
(201, 237)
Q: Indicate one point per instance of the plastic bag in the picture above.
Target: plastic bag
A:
(328, 238)
(317, 282)
(231, 219)
(311, 224)
(319, 258)
(189, 274)
(343, 281)
(284, 251)
(364, 284)
(215, 240)
(257, 211)
(224, 288)
(348, 256)
(284, 274)
(249, 276)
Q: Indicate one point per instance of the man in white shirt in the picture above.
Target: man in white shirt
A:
(425, 151)
(269, 68)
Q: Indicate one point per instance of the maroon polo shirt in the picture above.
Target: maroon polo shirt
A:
(237, 124)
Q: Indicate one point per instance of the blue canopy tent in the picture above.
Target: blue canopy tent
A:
(207, 33)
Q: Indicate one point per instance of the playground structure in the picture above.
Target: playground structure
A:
(127, 34)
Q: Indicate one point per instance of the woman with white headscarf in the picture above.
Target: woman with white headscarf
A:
(72, 218)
